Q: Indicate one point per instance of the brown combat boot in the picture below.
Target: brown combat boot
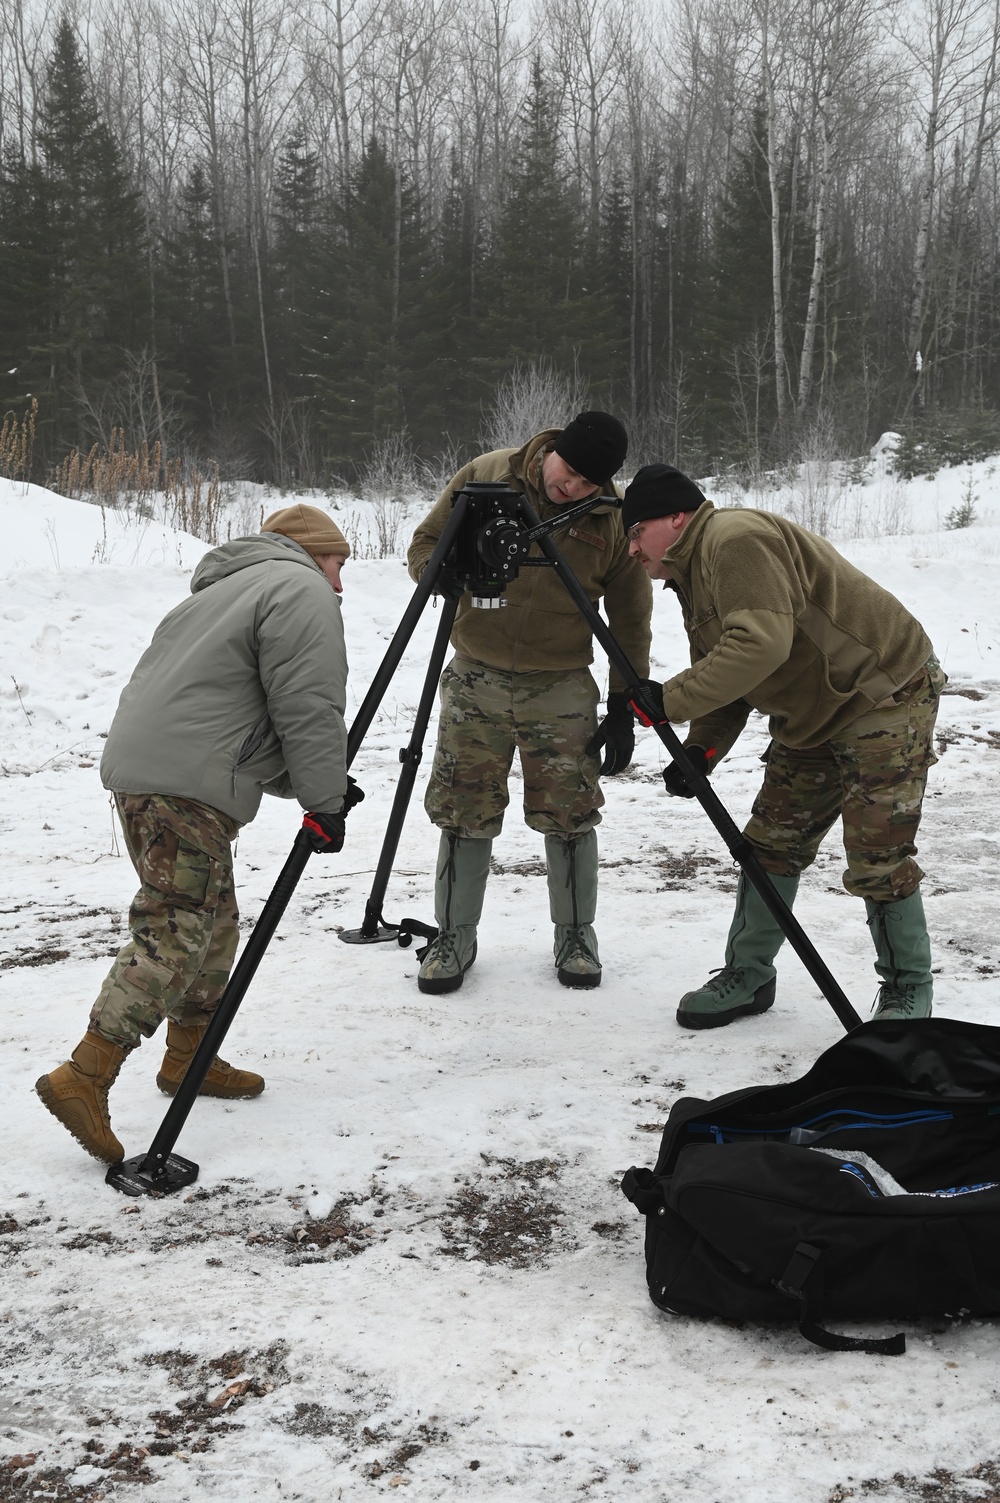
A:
(77, 1093)
(222, 1079)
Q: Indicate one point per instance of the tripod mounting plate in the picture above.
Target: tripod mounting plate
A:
(132, 1178)
(382, 936)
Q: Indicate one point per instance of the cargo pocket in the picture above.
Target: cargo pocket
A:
(177, 868)
(192, 873)
(443, 770)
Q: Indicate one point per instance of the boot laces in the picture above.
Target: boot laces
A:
(443, 950)
(898, 996)
(726, 979)
(575, 946)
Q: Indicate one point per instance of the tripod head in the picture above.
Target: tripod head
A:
(494, 540)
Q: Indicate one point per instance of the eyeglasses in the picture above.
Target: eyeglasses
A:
(634, 533)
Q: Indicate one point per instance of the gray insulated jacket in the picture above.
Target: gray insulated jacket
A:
(242, 689)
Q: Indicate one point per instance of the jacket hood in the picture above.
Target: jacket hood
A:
(243, 553)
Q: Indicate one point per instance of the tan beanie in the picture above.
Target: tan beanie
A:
(313, 529)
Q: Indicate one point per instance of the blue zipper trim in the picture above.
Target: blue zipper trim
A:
(843, 1120)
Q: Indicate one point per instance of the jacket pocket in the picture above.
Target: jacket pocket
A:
(254, 740)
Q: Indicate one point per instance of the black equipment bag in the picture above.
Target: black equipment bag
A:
(867, 1190)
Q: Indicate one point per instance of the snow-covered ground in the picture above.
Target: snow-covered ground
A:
(408, 1265)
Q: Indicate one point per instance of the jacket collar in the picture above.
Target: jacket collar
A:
(524, 466)
(678, 558)
(525, 462)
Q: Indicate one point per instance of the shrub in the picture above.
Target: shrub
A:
(944, 439)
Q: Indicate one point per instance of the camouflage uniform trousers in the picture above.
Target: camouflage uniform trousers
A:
(183, 919)
(873, 775)
(548, 716)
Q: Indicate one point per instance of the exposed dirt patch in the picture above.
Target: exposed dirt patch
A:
(611, 1231)
(216, 1387)
(339, 1234)
(33, 957)
(46, 936)
(404, 1449)
(980, 1484)
(502, 1217)
(681, 868)
(24, 1476)
(316, 1420)
(518, 868)
(103, 1240)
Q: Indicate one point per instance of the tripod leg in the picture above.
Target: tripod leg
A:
(740, 848)
(404, 631)
(159, 1170)
(410, 756)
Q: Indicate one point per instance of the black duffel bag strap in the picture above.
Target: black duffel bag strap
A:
(801, 1266)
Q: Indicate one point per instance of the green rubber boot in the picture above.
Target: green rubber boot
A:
(571, 862)
(903, 951)
(745, 985)
(463, 866)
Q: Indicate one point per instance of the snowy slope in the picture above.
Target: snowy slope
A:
(469, 1317)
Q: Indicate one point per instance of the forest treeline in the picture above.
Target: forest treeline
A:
(290, 235)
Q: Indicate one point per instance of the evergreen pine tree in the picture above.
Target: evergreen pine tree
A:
(297, 260)
(99, 302)
(736, 311)
(612, 277)
(735, 362)
(446, 389)
(368, 358)
(204, 370)
(539, 309)
(25, 277)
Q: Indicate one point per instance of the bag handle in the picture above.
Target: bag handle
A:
(637, 1186)
(801, 1265)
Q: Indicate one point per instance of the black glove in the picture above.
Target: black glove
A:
(325, 831)
(650, 690)
(449, 584)
(674, 780)
(616, 732)
(354, 795)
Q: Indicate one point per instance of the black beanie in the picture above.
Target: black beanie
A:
(658, 490)
(594, 444)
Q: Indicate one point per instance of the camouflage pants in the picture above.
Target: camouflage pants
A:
(873, 775)
(488, 712)
(183, 919)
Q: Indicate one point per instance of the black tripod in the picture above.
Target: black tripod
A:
(484, 544)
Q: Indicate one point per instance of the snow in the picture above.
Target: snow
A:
(417, 1124)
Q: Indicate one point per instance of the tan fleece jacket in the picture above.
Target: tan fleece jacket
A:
(540, 627)
(780, 622)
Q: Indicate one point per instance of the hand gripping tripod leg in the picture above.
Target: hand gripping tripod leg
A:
(159, 1170)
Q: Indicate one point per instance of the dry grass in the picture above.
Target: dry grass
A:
(136, 479)
(17, 442)
(115, 476)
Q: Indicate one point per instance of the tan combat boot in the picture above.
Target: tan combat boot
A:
(77, 1093)
(222, 1079)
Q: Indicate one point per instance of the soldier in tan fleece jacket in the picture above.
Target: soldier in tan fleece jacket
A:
(780, 622)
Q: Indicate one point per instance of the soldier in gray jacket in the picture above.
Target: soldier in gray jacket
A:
(241, 692)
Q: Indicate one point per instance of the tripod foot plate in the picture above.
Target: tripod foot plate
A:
(382, 936)
(131, 1178)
